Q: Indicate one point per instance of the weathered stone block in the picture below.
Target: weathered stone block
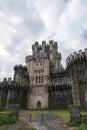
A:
(75, 116)
(14, 109)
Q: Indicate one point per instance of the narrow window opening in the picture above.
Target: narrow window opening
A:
(36, 79)
(39, 79)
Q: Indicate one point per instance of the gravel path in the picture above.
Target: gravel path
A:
(50, 122)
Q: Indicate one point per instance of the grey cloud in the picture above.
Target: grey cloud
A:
(66, 1)
(65, 53)
(31, 20)
(31, 24)
(14, 7)
(85, 34)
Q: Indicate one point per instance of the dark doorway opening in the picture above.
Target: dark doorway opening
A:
(38, 104)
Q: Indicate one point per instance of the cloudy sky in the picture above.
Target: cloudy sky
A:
(22, 22)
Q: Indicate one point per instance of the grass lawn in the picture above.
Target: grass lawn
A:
(63, 113)
(84, 112)
(35, 112)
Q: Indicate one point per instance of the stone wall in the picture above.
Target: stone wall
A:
(38, 94)
(12, 92)
(77, 68)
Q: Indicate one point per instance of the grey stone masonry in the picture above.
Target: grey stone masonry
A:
(75, 115)
(14, 109)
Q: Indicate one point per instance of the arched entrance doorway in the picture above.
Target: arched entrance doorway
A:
(38, 104)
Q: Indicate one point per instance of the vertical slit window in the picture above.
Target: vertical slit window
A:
(39, 79)
(36, 79)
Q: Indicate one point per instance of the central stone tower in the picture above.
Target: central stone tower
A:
(43, 60)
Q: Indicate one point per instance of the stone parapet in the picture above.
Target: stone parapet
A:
(28, 58)
(52, 46)
(9, 83)
(59, 82)
(16, 67)
(76, 56)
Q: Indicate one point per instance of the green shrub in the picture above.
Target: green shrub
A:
(84, 120)
(82, 127)
(32, 129)
(7, 119)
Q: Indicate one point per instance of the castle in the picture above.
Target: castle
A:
(44, 83)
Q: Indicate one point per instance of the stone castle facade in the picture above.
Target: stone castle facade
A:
(44, 83)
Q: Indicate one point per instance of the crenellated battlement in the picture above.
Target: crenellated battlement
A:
(28, 58)
(16, 67)
(20, 73)
(60, 82)
(9, 83)
(76, 56)
(45, 47)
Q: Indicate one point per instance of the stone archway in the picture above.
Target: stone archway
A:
(39, 105)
